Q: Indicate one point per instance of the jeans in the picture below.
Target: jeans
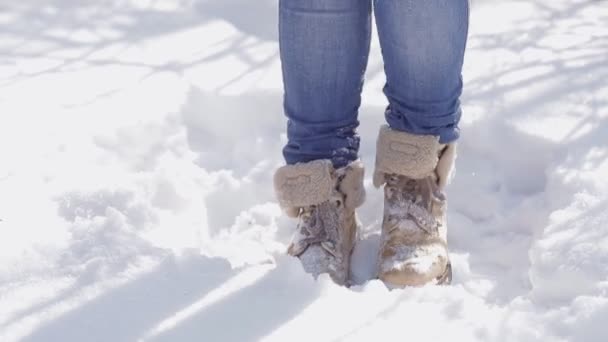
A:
(324, 48)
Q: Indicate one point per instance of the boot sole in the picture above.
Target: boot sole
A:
(446, 277)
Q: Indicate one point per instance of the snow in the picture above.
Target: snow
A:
(138, 139)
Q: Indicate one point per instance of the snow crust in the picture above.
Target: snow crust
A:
(138, 140)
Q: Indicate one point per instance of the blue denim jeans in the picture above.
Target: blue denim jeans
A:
(324, 47)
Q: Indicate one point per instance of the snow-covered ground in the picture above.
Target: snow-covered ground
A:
(137, 144)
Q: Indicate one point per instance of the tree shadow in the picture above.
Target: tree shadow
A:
(72, 36)
(254, 18)
(132, 309)
(505, 231)
(256, 310)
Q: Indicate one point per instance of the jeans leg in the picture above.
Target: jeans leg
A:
(324, 47)
(423, 44)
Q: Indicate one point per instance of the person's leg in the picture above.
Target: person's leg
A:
(324, 47)
(423, 44)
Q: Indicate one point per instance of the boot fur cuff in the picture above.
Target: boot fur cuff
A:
(402, 153)
(311, 183)
(352, 184)
(445, 166)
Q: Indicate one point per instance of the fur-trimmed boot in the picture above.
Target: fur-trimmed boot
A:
(324, 200)
(414, 170)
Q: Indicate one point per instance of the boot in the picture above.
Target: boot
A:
(324, 200)
(414, 170)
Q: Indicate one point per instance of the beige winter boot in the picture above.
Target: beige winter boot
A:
(414, 170)
(324, 200)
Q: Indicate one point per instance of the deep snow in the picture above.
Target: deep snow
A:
(137, 143)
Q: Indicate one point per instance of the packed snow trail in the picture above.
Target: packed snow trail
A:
(137, 143)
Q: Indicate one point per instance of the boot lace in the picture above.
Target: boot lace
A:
(419, 200)
(319, 225)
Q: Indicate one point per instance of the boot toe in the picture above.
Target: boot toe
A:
(419, 267)
(316, 260)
